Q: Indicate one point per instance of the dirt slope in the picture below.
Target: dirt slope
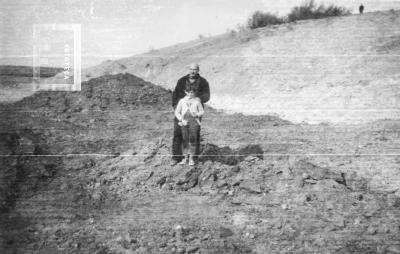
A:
(341, 70)
(87, 172)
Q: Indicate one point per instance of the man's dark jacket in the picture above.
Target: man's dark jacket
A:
(203, 91)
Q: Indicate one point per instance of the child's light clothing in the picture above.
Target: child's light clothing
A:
(191, 105)
(188, 112)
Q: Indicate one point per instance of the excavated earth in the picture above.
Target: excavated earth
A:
(88, 172)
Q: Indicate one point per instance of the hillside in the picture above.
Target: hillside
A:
(88, 172)
(16, 81)
(340, 70)
(27, 71)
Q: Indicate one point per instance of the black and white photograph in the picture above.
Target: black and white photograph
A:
(200, 126)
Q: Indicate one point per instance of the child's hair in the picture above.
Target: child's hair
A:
(191, 88)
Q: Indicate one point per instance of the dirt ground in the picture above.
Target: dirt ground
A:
(88, 172)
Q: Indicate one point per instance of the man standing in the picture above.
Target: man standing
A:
(361, 9)
(203, 92)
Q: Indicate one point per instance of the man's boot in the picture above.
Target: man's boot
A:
(191, 161)
(184, 160)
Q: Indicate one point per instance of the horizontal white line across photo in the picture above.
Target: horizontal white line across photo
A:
(211, 155)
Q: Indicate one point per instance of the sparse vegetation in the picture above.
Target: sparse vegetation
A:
(307, 10)
(261, 19)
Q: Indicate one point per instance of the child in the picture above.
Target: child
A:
(188, 112)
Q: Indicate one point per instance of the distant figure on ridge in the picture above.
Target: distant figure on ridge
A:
(361, 8)
(202, 89)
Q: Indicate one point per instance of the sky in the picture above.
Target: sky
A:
(121, 28)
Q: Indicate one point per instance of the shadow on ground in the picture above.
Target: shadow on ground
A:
(227, 155)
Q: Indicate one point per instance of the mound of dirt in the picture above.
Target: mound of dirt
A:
(138, 203)
(58, 123)
(109, 92)
(88, 172)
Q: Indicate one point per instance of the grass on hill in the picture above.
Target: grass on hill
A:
(307, 10)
